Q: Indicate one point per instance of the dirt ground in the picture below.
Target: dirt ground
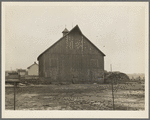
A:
(129, 96)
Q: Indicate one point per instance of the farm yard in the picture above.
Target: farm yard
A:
(128, 96)
(75, 57)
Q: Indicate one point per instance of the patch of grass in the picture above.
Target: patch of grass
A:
(76, 97)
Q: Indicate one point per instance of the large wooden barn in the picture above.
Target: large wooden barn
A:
(73, 58)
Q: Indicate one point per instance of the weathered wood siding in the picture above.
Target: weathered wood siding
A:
(73, 58)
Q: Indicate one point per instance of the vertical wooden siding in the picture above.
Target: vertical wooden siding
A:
(73, 56)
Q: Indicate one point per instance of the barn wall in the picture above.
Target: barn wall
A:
(72, 59)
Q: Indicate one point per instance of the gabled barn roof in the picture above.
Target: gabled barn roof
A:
(76, 27)
(65, 30)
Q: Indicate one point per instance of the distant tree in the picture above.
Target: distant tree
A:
(106, 73)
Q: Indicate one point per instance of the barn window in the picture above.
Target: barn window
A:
(94, 63)
(53, 62)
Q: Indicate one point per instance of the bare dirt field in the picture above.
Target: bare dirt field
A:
(129, 96)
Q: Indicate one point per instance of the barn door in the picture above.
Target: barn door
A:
(93, 67)
(76, 68)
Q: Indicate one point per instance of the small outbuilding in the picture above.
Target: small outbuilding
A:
(22, 72)
(33, 69)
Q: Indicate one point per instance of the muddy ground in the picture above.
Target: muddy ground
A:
(129, 96)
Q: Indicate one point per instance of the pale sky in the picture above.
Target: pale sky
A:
(117, 30)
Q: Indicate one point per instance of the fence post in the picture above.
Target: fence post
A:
(113, 95)
(14, 94)
(112, 87)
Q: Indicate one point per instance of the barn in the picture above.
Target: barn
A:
(72, 59)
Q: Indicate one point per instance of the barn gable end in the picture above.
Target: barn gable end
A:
(67, 42)
(73, 58)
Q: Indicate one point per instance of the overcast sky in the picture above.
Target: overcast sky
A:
(118, 30)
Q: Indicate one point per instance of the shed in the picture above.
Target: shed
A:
(21, 72)
(33, 69)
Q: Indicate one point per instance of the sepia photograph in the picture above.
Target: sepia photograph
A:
(75, 59)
